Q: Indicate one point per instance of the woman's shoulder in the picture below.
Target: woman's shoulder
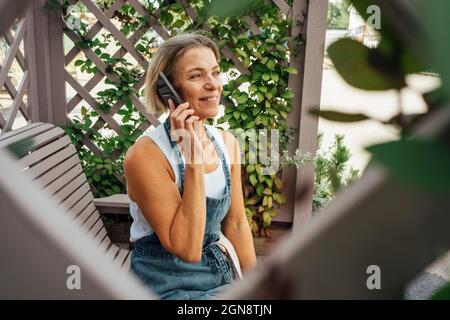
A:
(147, 145)
(143, 148)
(141, 151)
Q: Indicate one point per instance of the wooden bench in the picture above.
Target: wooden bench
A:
(46, 154)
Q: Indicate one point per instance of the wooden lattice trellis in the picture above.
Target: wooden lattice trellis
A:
(17, 95)
(128, 46)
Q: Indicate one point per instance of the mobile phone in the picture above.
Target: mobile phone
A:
(166, 90)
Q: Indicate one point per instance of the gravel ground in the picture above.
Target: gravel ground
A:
(423, 286)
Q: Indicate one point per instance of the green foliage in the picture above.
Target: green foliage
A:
(332, 171)
(338, 15)
(101, 172)
(267, 101)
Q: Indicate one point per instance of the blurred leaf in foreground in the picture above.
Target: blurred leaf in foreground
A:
(364, 68)
(340, 116)
(230, 8)
(422, 164)
(442, 294)
(19, 149)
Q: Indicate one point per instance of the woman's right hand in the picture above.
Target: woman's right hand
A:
(186, 131)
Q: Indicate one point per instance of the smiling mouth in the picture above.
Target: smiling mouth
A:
(208, 99)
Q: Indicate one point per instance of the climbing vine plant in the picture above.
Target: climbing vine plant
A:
(258, 99)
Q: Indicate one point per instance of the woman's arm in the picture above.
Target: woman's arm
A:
(236, 227)
(178, 222)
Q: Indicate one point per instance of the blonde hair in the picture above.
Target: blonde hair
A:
(164, 60)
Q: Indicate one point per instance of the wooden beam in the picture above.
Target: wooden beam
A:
(18, 100)
(316, 26)
(45, 56)
(297, 60)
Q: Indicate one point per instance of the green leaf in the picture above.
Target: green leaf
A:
(362, 67)
(442, 294)
(340, 116)
(287, 94)
(178, 24)
(78, 63)
(291, 70)
(242, 98)
(278, 182)
(236, 114)
(253, 179)
(279, 198)
(262, 89)
(252, 88)
(259, 190)
(271, 64)
(256, 110)
(421, 164)
(281, 48)
(266, 76)
(275, 77)
(241, 53)
(267, 219)
(250, 125)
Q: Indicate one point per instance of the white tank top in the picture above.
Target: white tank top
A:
(214, 181)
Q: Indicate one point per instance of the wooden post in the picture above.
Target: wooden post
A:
(297, 60)
(307, 88)
(45, 58)
(316, 26)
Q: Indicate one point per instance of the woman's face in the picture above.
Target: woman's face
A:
(197, 79)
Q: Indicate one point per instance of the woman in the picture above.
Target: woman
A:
(184, 181)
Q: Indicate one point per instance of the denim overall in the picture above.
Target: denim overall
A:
(168, 276)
